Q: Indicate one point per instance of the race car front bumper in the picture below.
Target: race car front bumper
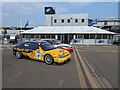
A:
(63, 60)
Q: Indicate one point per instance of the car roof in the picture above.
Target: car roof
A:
(49, 40)
(35, 42)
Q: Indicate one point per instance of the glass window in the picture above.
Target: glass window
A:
(76, 20)
(47, 36)
(33, 46)
(32, 36)
(105, 23)
(92, 36)
(47, 46)
(98, 36)
(80, 36)
(62, 20)
(68, 20)
(49, 41)
(24, 45)
(52, 36)
(37, 36)
(42, 36)
(104, 36)
(82, 20)
(86, 36)
(55, 21)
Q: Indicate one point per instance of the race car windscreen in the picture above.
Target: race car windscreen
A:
(57, 42)
(47, 46)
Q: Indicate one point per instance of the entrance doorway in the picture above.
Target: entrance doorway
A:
(66, 38)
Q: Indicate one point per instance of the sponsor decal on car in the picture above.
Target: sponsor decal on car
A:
(38, 55)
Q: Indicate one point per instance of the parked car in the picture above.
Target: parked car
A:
(42, 51)
(116, 40)
(58, 44)
(65, 47)
(13, 39)
(75, 41)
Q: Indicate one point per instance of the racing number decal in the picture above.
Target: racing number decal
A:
(38, 55)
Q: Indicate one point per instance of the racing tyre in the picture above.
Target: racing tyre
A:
(18, 55)
(48, 59)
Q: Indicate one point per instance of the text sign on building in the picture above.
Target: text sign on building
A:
(49, 10)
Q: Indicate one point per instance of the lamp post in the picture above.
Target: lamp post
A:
(51, 20)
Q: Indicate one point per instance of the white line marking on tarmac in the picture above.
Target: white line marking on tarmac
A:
(113, 51)
(80, 73)
(80, 50)
(94, 74)
(19, 73)
(101, 83)
(104, 51)
(88, 45)
(8, 47)
(90, 78)
(1, 48)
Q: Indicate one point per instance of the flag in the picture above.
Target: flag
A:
(49, 10)
(27, 24)
(93, 22)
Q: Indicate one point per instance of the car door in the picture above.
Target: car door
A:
(35, 51)
(25, 48)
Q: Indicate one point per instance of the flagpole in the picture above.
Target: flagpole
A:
(20, 22)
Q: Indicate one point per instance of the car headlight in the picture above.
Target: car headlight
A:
(60, 56)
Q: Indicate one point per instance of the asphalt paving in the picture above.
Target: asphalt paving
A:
(25, 73)
(104, 61)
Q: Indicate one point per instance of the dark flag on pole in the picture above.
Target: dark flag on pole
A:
(49, 10)
(92, 23)
(27, 24)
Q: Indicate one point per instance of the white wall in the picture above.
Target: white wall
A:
(72, 18)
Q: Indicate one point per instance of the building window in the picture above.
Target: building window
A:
(62, 20)
(80, 36)
(42, 36)
(98, 36)
(105, 36)
(92, 36)
(82, 20)
(47, 36)
(105, 23)
(76, 20)
(86, 36)
(68, 20)
(32, 36)
(55, 21)
(53, 36)
(37, 36)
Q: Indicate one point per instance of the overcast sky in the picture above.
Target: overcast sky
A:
(34, 11)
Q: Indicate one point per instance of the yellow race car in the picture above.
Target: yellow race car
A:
(42, 51)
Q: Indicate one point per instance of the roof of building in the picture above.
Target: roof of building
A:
(66, 30)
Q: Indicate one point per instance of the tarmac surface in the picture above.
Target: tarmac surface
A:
(25, 73)
(104, 61)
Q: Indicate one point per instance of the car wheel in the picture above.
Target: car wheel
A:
(48, 59)
(18, 55)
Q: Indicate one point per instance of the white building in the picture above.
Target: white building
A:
(66, 27)
(67, 20)
(86, 34)
(107, 23)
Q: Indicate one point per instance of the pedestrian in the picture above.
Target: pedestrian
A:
(15, 40)
(75, 41)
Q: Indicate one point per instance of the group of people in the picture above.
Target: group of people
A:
(13, 41)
